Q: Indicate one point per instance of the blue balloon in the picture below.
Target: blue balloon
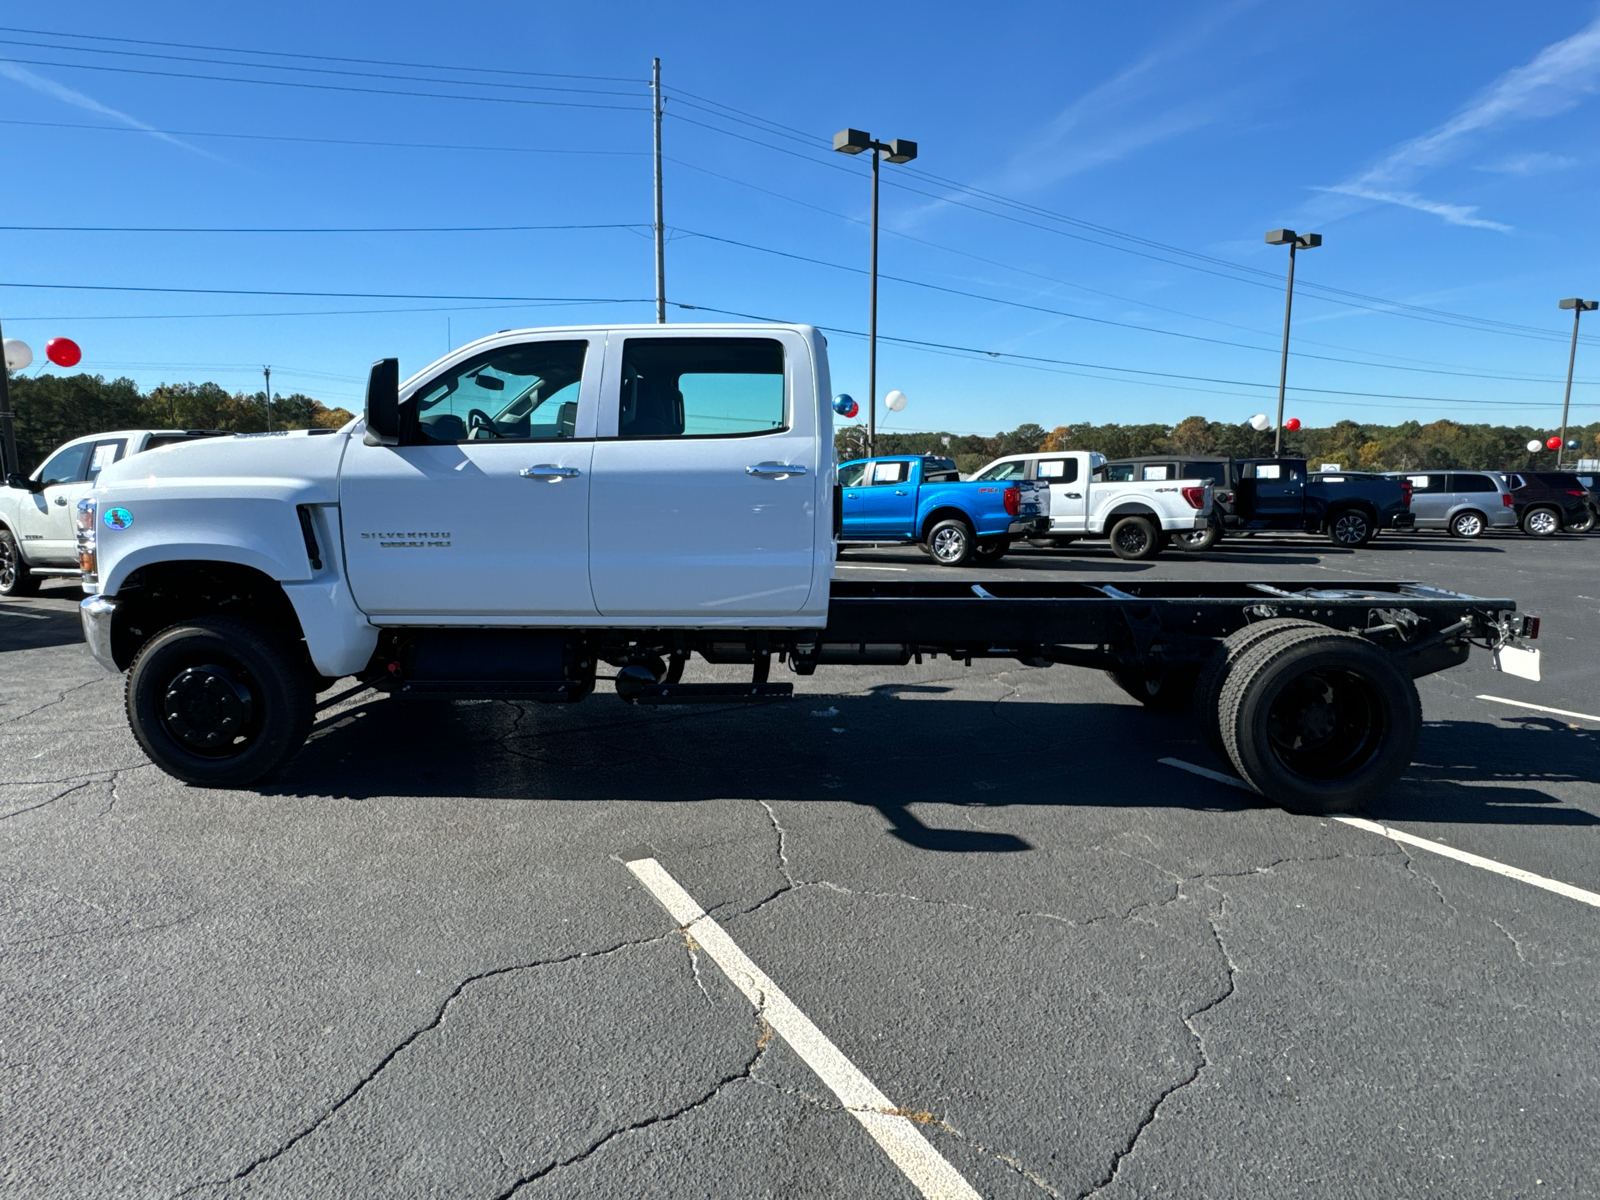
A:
(845, 406)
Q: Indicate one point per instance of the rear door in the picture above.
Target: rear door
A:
(706, 474)
(1069, 504)
(483, 509)
(889, 499)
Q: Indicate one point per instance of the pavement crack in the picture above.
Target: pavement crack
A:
(1202, 1058)
(382, 1064)
(694, 965)
(783, 842)
(60, 696)
(17, 812)
(1516, 942)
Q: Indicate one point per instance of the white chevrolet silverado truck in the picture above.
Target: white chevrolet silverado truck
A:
(543, 506)
(1138, 516)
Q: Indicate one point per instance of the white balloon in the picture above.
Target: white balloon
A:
(1261, 422)
(1535, 446)
(18, 355)
(895, 401)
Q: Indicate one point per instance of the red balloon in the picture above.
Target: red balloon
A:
(1554, 443)
(1292, 424)
(63, 352)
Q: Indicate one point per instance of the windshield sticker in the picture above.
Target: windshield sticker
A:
(118, 518)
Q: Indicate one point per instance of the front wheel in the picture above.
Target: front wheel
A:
(992, 551)
(1468, 525)
(219, 701)
(1541, 522)
(1351, 529)
(951, 543)
(14, 577)
(1135, 538)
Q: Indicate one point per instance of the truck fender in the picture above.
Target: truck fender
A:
(338, 636)
(260, 532)
(942, 512)
(1100, 522)
(1334, 510)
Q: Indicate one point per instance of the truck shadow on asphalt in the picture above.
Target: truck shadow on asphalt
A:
(890, 755)
(37, 627)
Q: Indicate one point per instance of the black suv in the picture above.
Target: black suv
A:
(1549, 501)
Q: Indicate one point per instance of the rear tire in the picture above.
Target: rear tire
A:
(1135, 538)
(1584, 524)
(219, 701)
(1351, 529)
(1197, 540)
(992, 551)
(14, 577)
(1208, 689)
(951, 543)
(1319, 721)
(1468, 524)
(1541, 522)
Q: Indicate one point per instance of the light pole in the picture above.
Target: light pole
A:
(266, 373)
(853, 141)
(1300, 241)
(1578, 307)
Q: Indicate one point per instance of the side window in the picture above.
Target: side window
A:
(1003, 471)
(890, 472)
(1058, 470)
(66, 466)
(1472, 483)
(701, 387)
(526, 392)
(105, 453)
(1210, 472)
(1420, 483)
(1118, 472)
(1157, 471)
(1269, 470)
(850, 474)
(1517, 482)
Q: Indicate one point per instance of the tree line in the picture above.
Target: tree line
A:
(51, 409)
(1354, 445)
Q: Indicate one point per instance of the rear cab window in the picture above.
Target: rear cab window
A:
(702, 387)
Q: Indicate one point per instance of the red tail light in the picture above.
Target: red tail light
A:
(1576, 492)
(1505, 499)
(1012, 498)
(1196, 496)
(1405, 492)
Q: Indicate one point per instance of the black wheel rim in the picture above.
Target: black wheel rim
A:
(1327, 724)
(1132, 539)
(211, 709)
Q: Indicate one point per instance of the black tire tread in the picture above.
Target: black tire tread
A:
(26, 584)
(1208, 688)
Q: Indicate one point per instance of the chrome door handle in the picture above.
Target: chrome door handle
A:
(768, 470)
(61, 500)
(898, 492)
(550, 473)
(1074, 495)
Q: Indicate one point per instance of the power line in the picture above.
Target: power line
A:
(311, 229)
(104, 287)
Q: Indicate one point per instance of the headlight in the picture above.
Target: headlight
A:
(88, 546)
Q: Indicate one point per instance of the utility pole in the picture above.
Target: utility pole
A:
(1302, 241)
(1578, 307)
(661, 229)
(9, 462)
(267, 372)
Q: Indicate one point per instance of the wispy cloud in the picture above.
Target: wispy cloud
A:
(77, 99)
(1539, 163)
(1559, 77)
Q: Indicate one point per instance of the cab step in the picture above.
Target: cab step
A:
(478, 689)
(711, 693)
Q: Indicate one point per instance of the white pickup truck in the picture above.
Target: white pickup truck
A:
(1138, 516)
(544, 502)
(36, 513)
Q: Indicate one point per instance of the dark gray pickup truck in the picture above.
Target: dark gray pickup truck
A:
(1280, 494)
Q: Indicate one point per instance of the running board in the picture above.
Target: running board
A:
(475, 689)
(711, 693)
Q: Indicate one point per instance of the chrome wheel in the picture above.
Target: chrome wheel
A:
(1467, 525)
(949, 545)
(8, 565)
(1542, 522)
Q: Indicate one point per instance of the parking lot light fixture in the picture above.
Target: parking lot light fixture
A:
(1295, 241)
(899, 150)
(1578, 307)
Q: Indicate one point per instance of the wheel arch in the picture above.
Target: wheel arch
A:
(159, 594)
(944, 512)
(1337, 509)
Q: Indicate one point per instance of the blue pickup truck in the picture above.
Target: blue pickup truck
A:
(919, 499)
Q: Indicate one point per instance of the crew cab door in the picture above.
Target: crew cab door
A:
(1069, 503)
(852, 496)
(45, 518)
(704, 498)
(1278, 492)
(889, 499)
(483, 509)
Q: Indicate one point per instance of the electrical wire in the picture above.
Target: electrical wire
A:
(311, 229)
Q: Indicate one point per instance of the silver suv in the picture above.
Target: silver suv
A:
(1464, 502)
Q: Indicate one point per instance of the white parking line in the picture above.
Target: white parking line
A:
(1560, 712)
(11, 612)
(1410, 839)
(864, 567)
(924, 1166)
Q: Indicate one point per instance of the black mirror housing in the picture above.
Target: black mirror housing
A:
(22, 482)
(383, 402)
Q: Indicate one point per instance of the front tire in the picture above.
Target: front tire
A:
(1541, 522)
(14, 577)
(219, 701)
(1319, 721)
(1468, 524)
(1135, 538)
(951, 543)
(1351, 529)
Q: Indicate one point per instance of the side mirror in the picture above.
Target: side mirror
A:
(383, 403)
(20, 481)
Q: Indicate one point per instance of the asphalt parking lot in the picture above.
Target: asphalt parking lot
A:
(424, 960)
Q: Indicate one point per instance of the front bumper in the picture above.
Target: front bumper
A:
(96, 613)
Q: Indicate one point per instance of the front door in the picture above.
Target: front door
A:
(1069, 506)
(1279, 493)
(853, 498)
(705, 494)
(47, 518)
(889, 500)
(483, 509)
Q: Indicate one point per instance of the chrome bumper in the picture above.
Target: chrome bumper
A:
(96, 613)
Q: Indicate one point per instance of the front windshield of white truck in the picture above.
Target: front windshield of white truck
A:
(526, 392)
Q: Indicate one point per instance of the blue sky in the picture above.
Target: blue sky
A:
(1098, 178)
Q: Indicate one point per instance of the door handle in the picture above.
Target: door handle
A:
(898, 492)
(770, 470)
(1074, 495)
(550, 473)
(61, 500)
